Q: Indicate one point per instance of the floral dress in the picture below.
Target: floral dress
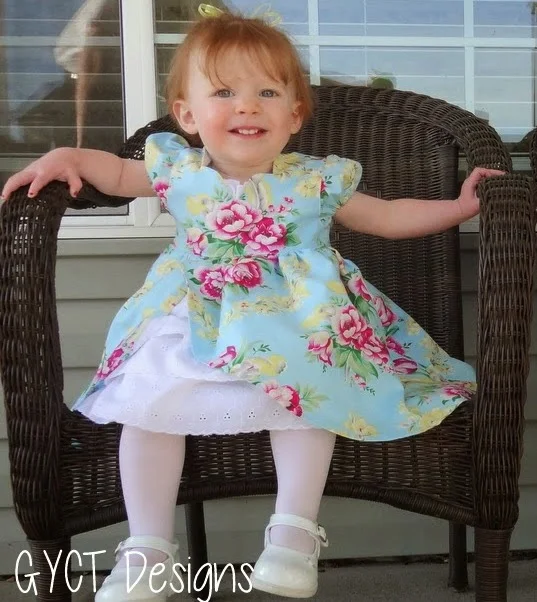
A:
(250, 320)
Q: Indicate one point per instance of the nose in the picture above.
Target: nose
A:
(247, 104)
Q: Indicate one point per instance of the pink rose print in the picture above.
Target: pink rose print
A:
(321, 345)
(359, 380)
(323, 186)
(212, 281)
(458, 390)
(386, 315)
(224, 358)
(161, 186)
(265, 238)
(353, 331)
(376, 350)
(288, 200)
(196, 240)
(231, 218)
(404, 365)
(357, 286)
(394, 345)
(244, 272)
(285, 395)
(113, 361)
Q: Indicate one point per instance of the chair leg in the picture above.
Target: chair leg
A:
(491, 564)
(458, 561)
(197, 549)
(50, 583)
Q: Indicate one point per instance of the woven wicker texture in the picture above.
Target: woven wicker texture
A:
(65, 470)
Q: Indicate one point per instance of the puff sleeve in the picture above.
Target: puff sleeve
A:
(163, 150)
(340, 180)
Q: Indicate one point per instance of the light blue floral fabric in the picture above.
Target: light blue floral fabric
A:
(272, 303)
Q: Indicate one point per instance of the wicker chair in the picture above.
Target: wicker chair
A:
(64, 469)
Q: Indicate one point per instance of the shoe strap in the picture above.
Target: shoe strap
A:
(292, 520)
(147, 541)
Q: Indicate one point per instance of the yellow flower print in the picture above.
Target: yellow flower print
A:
(321, 314)
(310, 185)
(170, 302)
(143, 290)
(336, 286)
(269, 366)
(350, 176)
(412, 327)
(433, 418)
(190, 161)
(438, 371)
(148, 313)
(288, 165)
(265, 194)
(359, 428)
(152, 154)
(208, 333)
(295, 266)
(199, 204)
(429, 344)
(169, 266)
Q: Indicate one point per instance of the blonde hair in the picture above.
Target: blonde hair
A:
(213, 37)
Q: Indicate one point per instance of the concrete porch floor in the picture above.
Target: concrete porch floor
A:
(361, 582)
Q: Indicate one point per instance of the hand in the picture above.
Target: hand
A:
(59, 164)
(468, 199)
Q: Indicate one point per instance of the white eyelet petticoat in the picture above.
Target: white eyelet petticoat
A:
(162, 388)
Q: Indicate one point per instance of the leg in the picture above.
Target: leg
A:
(491, 564)
(151, 465)
(288, 564)
(458, 565)
(43, 580)
(302, 460)
(150, 494)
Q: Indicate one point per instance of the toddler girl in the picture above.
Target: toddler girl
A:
(249, 320)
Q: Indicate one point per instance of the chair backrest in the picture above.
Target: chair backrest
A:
(402, 156)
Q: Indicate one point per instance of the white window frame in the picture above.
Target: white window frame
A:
(140, 96)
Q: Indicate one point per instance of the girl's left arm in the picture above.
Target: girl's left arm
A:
(412, 218)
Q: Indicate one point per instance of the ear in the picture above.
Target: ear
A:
(184, 116)
(296, 118)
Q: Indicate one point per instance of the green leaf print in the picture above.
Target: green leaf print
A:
(341, 355)
(309, 398)
(391, 330)
(291, 240)
(357, 365)
(363, 307)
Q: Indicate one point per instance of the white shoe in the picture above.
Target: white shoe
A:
(286, 572)
(136, 583)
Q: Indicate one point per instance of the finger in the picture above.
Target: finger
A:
(38, 182)
(19, 179)
(486, 172)
(74, 181)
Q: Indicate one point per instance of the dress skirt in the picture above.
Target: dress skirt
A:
(162, 388)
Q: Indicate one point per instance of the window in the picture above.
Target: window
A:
(478, 54)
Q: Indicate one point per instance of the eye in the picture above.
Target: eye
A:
(223, 93)
(269, 93)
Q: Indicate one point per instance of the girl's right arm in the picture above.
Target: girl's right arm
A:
(107, 172)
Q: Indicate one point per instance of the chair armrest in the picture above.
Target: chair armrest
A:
(30, 355)
(505, 303)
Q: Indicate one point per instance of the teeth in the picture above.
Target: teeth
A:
(248, 132)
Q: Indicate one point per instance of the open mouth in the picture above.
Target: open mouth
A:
(248, 132)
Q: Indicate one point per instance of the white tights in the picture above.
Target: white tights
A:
(302, 459)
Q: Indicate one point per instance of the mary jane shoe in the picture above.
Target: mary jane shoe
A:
(286, 572)
(135, 583)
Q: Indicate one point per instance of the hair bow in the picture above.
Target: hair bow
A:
(263, 12)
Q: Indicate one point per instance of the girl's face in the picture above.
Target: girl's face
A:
(243, 117)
